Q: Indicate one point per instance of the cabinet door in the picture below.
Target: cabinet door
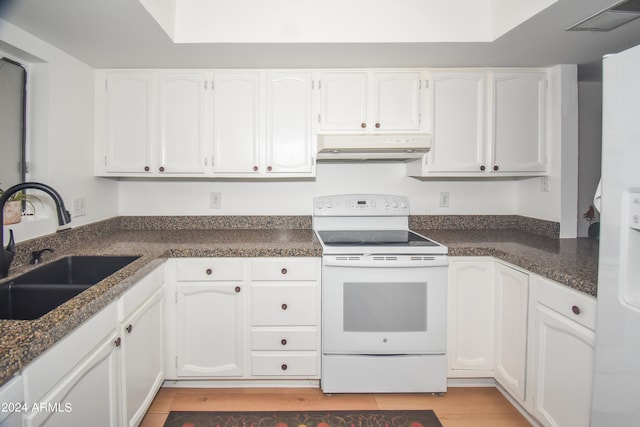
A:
(512, 299)
(289, 144)
(129, 122)
(457, 122)
(236, 124)
(518, 121)
(142, 357)
(181, 123)
(209, 330)
(471, 302)
(343, 101)
(396, 101)
(88, 395)
(563, 374)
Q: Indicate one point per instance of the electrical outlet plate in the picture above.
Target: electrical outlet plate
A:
(444, 199)
(544, 184)
(216, 200)
(79, 207)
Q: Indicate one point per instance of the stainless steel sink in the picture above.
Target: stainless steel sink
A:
(35, 293)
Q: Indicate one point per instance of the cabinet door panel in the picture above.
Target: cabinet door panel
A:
(564, 370)
(86, 395)
(518, 121)
(344, 101)
(458, 117)
(289, 98)
(209, 330)
(236, 123)
(470, 317)
(512, 299)
(396, 101)
(181, 123)
(129, 115)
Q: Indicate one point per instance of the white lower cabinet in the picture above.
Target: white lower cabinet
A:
(512, 300)
(101, 374)
(543, 335)
(564, 356)
(243, 318)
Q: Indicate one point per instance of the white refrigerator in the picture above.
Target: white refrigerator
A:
(616, 388)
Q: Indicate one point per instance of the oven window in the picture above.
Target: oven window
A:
(385, 307)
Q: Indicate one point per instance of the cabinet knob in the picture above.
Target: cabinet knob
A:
(255, 168)
(146, 168)
(575, 309)
(363, 125)
(118, 341)
(482, 168)
(269, 168)
(161, 168)
(495, 168)
(284, 271)
(283, 341)
(284, 367)
(209, 272)
(238, 289)
(377, 125)
(129, 328)
(284, 306)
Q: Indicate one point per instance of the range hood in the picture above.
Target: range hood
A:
(373, 147)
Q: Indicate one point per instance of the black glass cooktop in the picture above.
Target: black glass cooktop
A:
(374, 238)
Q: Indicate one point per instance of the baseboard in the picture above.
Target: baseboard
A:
(242, 383)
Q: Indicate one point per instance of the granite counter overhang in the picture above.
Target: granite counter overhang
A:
(569, 262)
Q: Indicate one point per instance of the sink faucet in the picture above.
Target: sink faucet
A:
(7, 254)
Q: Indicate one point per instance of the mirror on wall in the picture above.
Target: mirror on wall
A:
(12, 123)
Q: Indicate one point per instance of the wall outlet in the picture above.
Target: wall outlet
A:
(544, 184)
(444, 199)
(79, 207)
(216, 200)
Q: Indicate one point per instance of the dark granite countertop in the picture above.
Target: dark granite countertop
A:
(572, 262)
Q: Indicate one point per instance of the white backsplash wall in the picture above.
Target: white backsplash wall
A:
(276, 197)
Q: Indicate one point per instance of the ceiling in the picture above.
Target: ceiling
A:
(122, 34)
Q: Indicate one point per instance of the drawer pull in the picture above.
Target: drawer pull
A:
(284, 306)
(129, 328)
(209, 272)
(575, 309)
(284, 271)
(118, 341)
(238, 289)
(284, 366)
(283, 341)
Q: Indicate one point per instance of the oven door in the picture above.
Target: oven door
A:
(393, 306)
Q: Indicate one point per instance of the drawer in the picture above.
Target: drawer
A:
(209, 269)
(573, 304)
(285, 269)
(141, 292)
(283, 305)
(284, 339)
(285, 364)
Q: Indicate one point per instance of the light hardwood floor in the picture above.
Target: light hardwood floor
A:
(459, 407)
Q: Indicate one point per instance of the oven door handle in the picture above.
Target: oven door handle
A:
(386, 261)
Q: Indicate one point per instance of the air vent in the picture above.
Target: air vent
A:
(385, 258)
(619, 14)
(422, 258)
(348, 258)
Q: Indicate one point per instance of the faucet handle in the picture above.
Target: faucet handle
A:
(11, 245)
(36, 256)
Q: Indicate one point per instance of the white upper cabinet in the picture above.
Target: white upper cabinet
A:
(518, 121)
(236, 123)
(289, 144)
(457, 101)
(124, 125)
(181, 122)
(485, 123)
(367, 101)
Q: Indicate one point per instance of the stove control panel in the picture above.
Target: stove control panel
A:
(361, 205)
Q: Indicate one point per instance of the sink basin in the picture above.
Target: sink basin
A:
(39, 291)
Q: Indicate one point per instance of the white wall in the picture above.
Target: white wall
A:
(60, 131)
(590, 148)
(247, 197)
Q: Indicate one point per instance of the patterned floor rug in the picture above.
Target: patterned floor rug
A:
(304, 419)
